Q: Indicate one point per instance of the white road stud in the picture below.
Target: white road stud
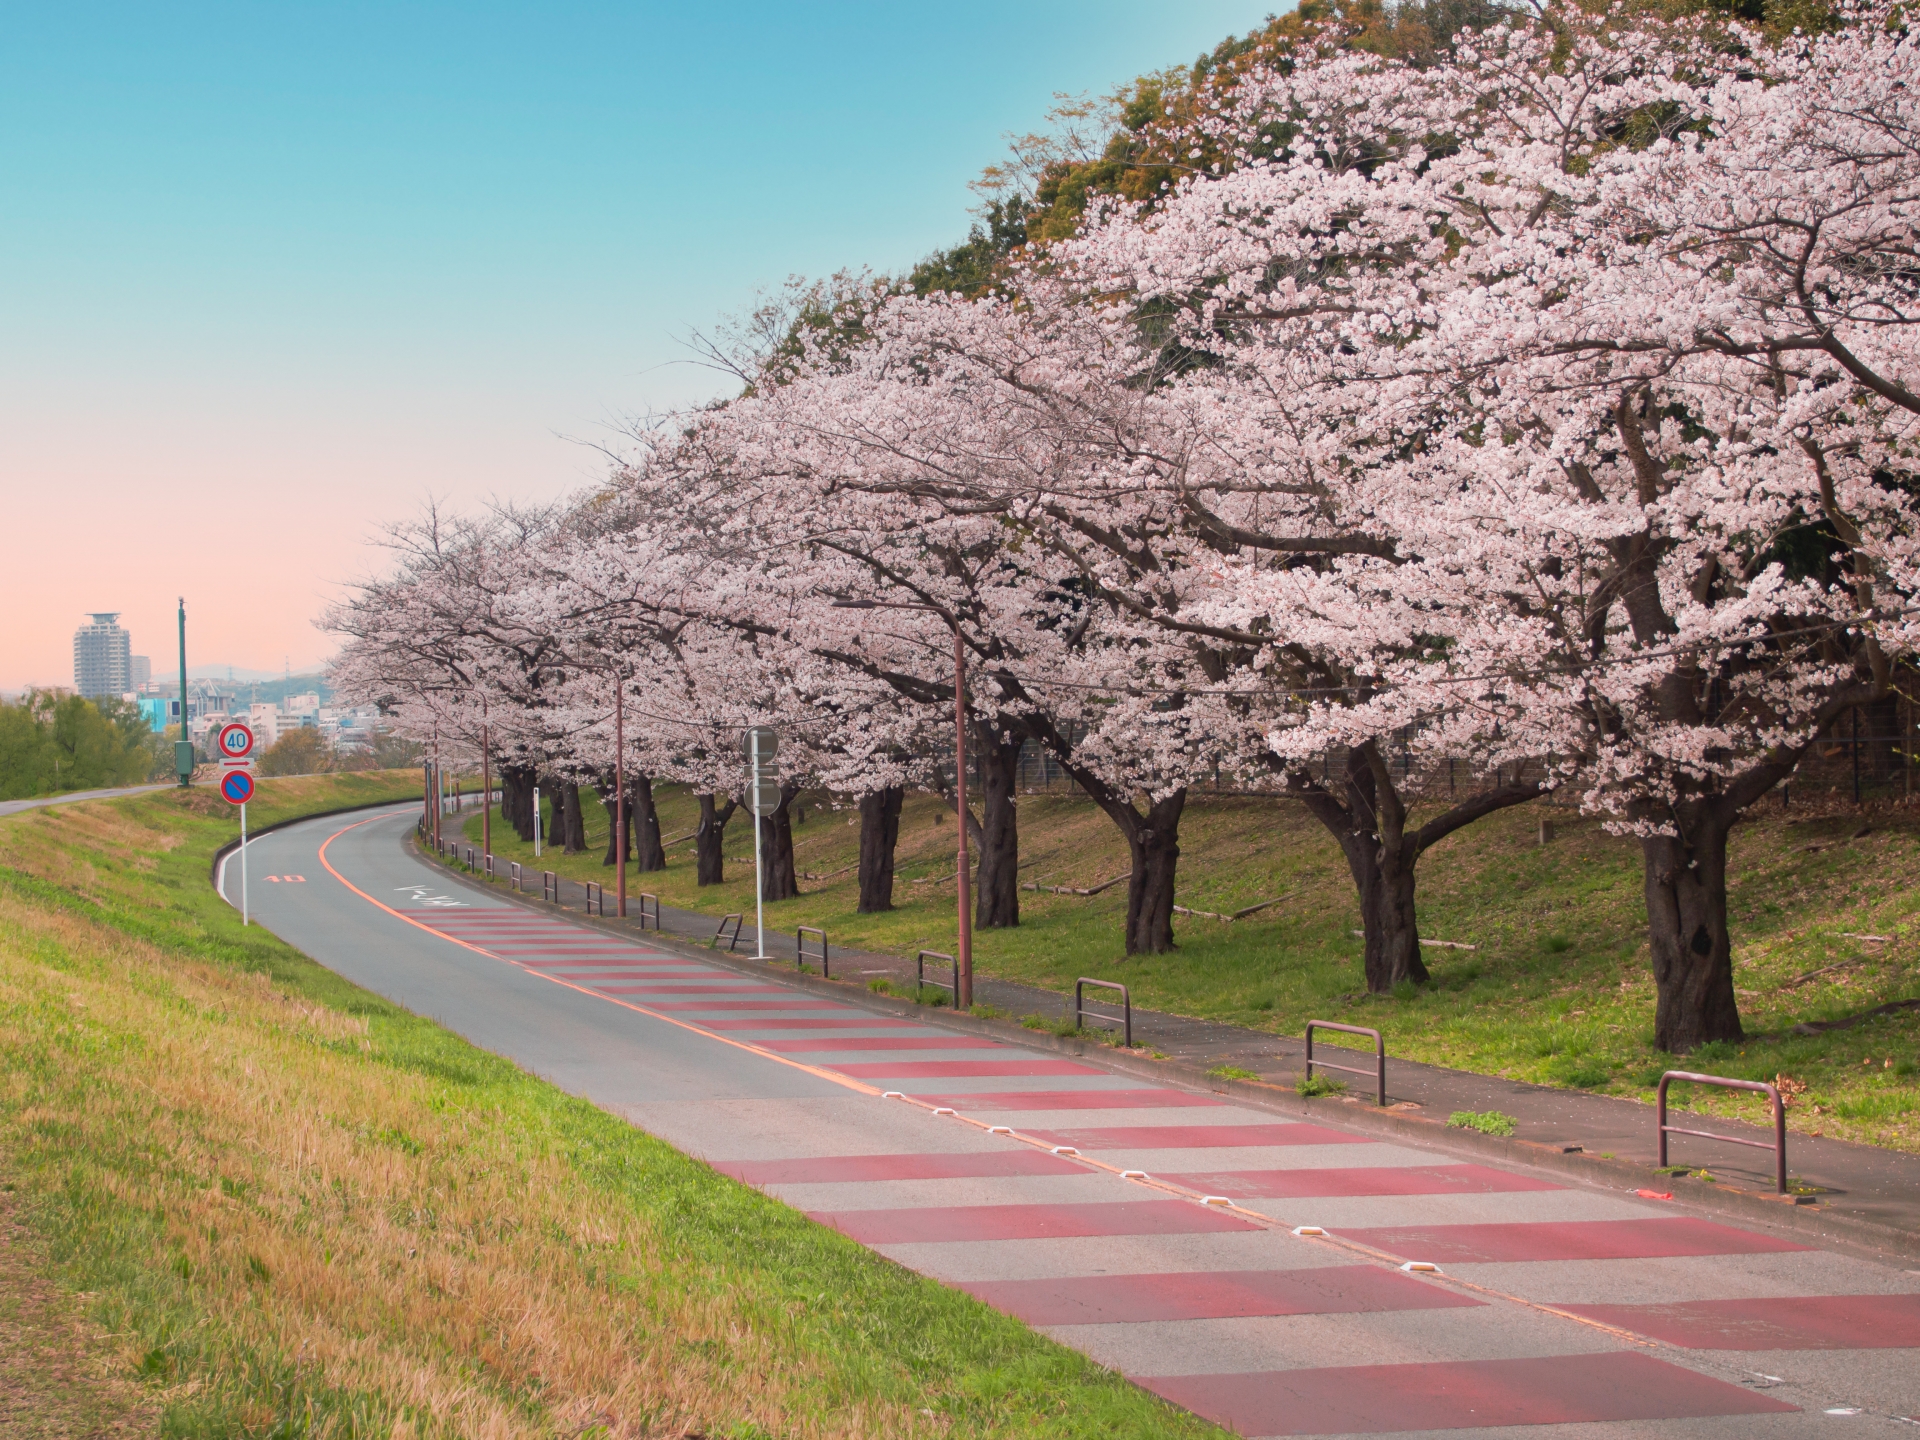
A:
(1000, 1130)
(1133, 1174)
(1215, 1200)
(944, 1110)
(893, 1095)
(1305, 1230)
(1065, 1150)
(1421, 1267)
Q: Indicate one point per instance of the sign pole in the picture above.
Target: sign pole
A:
(963, 1000)
(538, 823)
(759, 851)
(243, 863)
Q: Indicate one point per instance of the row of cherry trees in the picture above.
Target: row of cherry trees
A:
(1548, 411)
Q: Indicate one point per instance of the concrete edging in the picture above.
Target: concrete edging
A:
(1803, 1218)
(213, 866)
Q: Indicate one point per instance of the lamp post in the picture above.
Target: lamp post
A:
(486, 784)
(964, 949)
(183, 747)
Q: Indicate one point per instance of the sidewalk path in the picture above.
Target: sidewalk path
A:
(14, 807)
(1864, 1182)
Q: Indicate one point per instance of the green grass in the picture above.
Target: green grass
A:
(299, 1210)
(1487, 1122)
(1557, 991)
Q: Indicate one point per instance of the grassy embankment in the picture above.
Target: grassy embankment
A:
(1558, 991)
(288, 1207)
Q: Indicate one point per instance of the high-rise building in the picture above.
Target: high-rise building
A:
(102, 657)
(140, 673)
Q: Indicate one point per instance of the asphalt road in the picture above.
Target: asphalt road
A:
(1156, 1229)
(14, 807)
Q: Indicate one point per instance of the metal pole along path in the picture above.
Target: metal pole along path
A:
(536, 822)
(486, 784)
(759, 858)
(964, 1000)
(620, 802)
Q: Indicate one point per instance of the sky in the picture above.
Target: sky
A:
(280, 274)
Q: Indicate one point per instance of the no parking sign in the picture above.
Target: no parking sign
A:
(236, 786)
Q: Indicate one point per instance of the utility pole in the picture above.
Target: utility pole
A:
(183, 747)
(620, 800)
(964, 999)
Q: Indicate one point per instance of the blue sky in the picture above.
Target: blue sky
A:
(278, 272)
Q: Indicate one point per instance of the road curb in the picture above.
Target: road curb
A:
(1813, 1221)
(213, 866)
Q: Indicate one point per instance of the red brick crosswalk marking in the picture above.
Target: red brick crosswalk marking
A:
(1073, 1100)
(1567, 1240)
(1359, 1180)
(867, 1169)
(958, 1069)
(1214, 1295)
(1798, 1322)
(1029, 1222)
(879, 1042)
(1457, 1394)
(1197, 1137)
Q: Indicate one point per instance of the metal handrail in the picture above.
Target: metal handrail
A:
(1379, 1072)
(513, 875)
(596, 899)
(1080, 1009)
(734, 943)
(920, 971)
(800, 949)
(1772, 1092)
(489, 863)
(550, 886)
(644, 897)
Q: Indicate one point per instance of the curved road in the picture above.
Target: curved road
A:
(1149, 1226)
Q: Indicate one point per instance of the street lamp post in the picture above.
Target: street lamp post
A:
(183, 747)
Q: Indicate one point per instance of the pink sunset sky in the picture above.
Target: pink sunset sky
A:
(276, 275)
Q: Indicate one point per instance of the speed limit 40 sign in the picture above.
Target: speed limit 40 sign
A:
(235, 741)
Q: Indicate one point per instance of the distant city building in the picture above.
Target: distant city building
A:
(264, 721)
(140, 673)
(102, 657)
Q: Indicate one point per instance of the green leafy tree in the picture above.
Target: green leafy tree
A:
(298, 752)
(50, 743)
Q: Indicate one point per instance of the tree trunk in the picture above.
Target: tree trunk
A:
(709, 856)
(996, 840)
(1367, 815)
(1686, 888)
(1153, 844)
(1387, 916)
(573, 825)
(613, 840)
(779, 880)
(516, 799)
(879, 834)
(648, 854)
